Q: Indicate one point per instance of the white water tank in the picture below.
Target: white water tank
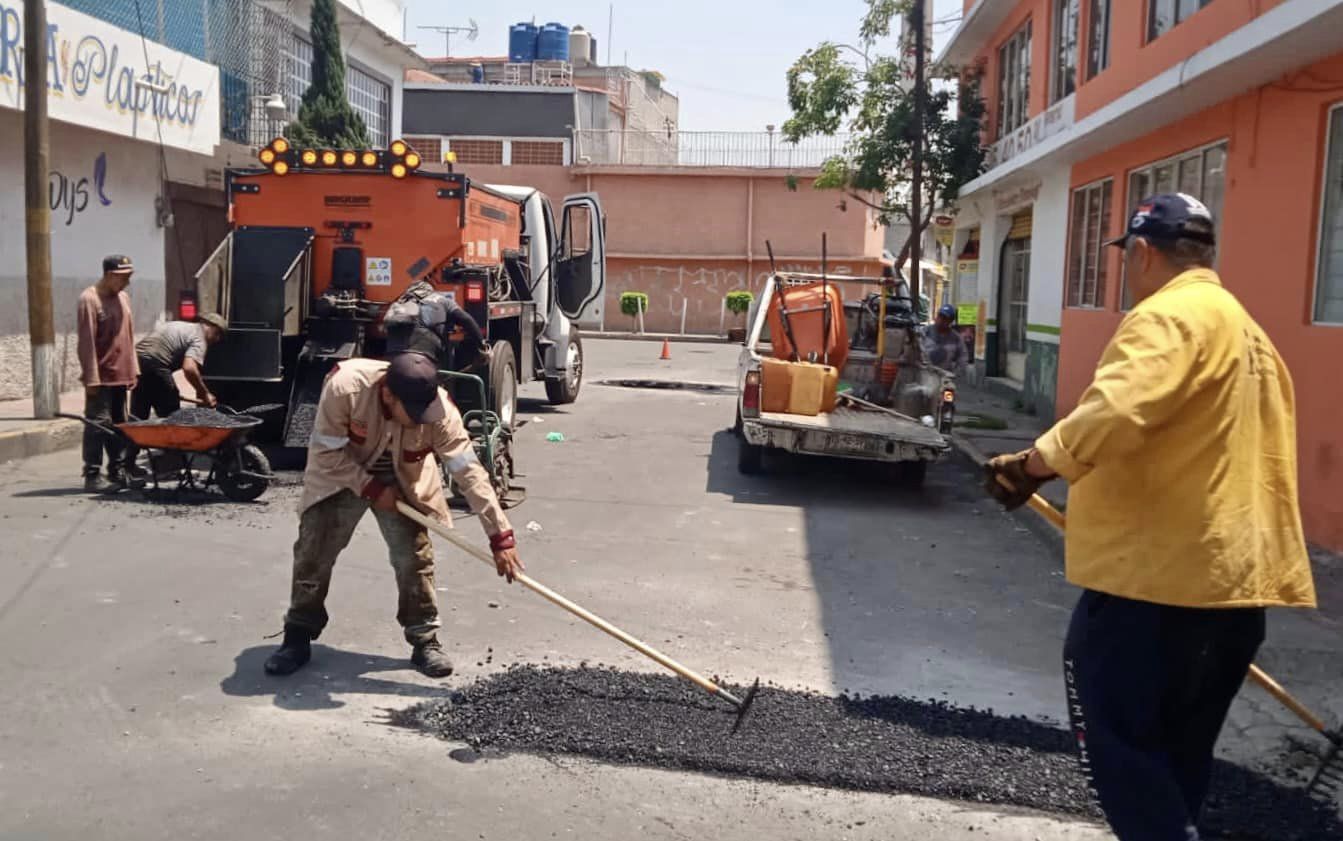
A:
(580, 45)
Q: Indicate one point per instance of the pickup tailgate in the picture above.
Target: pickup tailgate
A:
(849, 432)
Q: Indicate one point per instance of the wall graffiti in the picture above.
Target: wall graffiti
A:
(69, 195)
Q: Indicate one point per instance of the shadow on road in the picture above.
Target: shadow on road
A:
(332, 672)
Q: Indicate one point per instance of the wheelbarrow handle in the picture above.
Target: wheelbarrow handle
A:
(105, 429)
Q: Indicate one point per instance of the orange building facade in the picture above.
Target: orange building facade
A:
(1239, 104)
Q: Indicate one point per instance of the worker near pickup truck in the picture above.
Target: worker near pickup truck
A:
(1183, 523)
(171, 347)
(381, 427)
(943, 346)
(106, 350)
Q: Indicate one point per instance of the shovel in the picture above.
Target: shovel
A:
(741, 704)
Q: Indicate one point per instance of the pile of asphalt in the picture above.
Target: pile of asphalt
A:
(194, 416)
(876, 743)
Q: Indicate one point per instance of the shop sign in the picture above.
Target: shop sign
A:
(1040, 128)
(98, 76)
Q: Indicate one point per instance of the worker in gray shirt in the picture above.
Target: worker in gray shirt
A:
(177, 345)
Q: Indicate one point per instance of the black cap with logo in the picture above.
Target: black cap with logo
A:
(413, 379)
(1167, 217)
(117, 264)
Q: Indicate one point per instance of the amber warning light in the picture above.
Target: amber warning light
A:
(398, 161)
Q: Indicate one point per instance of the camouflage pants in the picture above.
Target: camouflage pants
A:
(325, 529)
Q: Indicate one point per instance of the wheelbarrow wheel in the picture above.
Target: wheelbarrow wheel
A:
(239, 487)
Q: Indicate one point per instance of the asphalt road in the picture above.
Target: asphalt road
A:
(134, 631)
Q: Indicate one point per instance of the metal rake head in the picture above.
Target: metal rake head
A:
(744, 705)
(1328, 779)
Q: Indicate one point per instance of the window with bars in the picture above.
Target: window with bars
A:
(1164, 15)
(1067, 15)
(369, 96)
(537, 153)
(1200, 173)
(1329, 276)
(1098, 42)
(1086, 259)
(430, 148)
(1014, 81)
(478, 151)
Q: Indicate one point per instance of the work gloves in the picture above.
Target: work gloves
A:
(1006, 480)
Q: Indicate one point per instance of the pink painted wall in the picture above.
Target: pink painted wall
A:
(687, 237)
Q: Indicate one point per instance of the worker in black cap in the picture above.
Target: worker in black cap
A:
(1183, 523)
(381, 429)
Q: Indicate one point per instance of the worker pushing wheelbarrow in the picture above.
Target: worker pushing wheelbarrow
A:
(191, 441)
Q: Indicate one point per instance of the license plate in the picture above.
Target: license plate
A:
(847, 445)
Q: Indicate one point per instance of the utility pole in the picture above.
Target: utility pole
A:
(916, 179)
(37, 213)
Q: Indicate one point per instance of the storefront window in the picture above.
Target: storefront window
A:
(1066, 17)
(1329, 278)
(1014, 81)
(1163, 15)
(1089, 227)
(1200, 173)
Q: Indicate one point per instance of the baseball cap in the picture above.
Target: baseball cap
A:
(118, 263)
(947, 311)
(413, 379)
(216, 320)
(1167, 216)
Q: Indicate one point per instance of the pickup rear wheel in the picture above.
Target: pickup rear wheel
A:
(564, 389)
(504, 383)
(750, 457)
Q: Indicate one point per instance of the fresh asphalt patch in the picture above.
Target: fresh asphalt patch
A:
(874, 743)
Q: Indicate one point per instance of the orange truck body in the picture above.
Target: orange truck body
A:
(412, 226)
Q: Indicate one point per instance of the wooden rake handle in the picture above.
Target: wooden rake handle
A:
(574, 608)
(1256, 674)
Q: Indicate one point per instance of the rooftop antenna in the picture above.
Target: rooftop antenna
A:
(472, 31)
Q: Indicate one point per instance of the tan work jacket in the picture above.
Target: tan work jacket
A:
(352, 431)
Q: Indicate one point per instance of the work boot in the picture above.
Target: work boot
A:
(117, 478)
(429, 658)
(136, 475)
(94, 483)
(292, 653)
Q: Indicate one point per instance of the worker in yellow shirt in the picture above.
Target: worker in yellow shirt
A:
(1183, 523)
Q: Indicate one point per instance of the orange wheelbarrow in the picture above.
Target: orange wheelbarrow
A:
(218, 448)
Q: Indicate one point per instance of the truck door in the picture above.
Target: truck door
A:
(581, 271)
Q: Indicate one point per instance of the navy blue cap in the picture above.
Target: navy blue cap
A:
(947, 311)
(1167, 217)
(413, 379)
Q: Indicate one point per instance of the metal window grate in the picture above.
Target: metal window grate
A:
(478, 151)
(430, 148)
(537, 153)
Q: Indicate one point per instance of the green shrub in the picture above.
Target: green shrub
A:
(739, 302)
(632, 303)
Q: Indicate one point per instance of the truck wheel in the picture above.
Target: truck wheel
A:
(750, 457)
(910, 474)
(562, 390)
(503, 383)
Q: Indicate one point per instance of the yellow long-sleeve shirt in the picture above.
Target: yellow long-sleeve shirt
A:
(1182, 459)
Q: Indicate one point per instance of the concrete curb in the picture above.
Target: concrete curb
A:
(41, 438)
(657, 337)
(1050, 536)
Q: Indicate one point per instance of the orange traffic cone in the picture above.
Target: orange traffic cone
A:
(666, 349)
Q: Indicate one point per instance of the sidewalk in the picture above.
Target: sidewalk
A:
(23, 436)
(988, 425)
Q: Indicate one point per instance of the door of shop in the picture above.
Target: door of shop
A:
(1013, 298)
(200, 223)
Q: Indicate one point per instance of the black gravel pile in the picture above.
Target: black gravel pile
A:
(884, 743)
(195, 416)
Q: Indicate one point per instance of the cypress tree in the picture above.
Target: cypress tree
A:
(326, 119)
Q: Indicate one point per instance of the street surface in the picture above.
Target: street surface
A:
(134, 632)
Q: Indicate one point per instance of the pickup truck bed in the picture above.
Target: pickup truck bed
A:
(847, 432)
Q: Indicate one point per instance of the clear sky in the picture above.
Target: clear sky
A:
(725, 59)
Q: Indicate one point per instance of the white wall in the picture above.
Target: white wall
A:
(1049, 248)
(84, 229)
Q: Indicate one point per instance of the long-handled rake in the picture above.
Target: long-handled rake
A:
(1328, 779)
(743, 705)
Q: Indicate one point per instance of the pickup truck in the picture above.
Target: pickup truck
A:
(903, 423)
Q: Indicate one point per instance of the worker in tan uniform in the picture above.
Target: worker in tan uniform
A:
(1183, 523)
(381, 428)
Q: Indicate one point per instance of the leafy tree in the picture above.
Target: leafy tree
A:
(837, 86)
(325, 118)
